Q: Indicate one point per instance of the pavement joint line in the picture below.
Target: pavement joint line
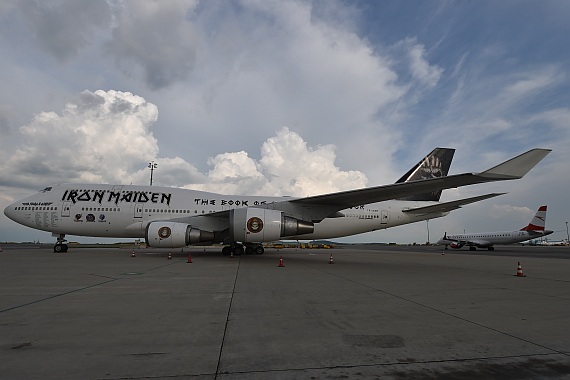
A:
(165, 265)
(56, 296)
(227, 319)
(389, 364)
(102, 276)
(442, 312)
(342, 366)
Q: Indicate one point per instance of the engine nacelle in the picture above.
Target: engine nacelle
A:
(254, 225)
(175, 235)
(456, 245)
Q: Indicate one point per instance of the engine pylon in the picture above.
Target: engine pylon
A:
(281, 262)
(519, 271)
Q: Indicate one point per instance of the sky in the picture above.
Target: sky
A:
(295, 98)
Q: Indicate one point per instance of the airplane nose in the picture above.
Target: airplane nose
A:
(9, 211)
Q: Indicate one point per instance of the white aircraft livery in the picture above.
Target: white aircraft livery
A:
(534, 230)
(173, 218)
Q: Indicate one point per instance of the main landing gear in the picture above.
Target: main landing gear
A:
(239, 249)
(60, 245)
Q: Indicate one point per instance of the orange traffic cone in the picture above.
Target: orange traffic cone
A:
(133, 254)
(519, 271)
(281, 262)
(331, 261)
(169, 256)
(189, 258)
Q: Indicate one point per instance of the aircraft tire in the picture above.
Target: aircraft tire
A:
(238, 249)
(58, 248)
(259, 250)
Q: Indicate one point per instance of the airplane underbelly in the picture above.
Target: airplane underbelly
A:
(339, 227)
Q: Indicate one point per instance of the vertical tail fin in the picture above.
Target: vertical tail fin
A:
(435, 164)
(538, 222)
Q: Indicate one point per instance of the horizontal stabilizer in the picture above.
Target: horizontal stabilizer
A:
(450, 206)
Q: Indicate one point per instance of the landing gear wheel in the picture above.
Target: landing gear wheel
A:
(259, 250)
(237, 249)
(226, 250)
(60, 245)
(249, 250)
(60, 248)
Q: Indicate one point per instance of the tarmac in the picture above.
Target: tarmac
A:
(378, 312)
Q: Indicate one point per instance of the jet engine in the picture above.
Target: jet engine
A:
(456, 245)
(175, 235)
(258, 225)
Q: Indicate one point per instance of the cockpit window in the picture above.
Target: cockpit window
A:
(46, 189)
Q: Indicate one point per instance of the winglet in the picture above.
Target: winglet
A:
(518, 166)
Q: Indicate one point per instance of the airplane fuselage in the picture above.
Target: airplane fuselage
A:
(488, 239)
(124, 211)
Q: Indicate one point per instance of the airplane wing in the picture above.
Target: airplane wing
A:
(319, 207)
(450, 206)
(479, 243)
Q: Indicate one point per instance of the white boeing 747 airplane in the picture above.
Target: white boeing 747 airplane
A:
(534, 230)
(174, 218)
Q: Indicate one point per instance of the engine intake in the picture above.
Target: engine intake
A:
(175, 235)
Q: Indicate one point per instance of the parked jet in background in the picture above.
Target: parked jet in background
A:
(534, 230)
(554, 242)
(171, 217)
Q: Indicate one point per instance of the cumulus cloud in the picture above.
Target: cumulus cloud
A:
(98, 137)
(300, 170)
(105, 136)
(288, 166)
(263, 65)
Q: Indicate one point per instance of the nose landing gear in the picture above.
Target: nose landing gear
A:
(60, 245)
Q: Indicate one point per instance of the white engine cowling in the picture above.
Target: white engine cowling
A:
(175, 235)
(254, 225)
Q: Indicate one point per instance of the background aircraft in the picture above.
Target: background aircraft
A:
(534, 230)
(172, 217)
